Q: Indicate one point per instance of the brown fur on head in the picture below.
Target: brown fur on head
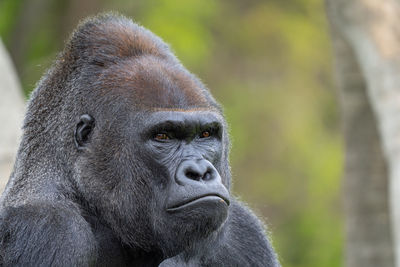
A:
(126, 57)
(107, 38)
(154, 83)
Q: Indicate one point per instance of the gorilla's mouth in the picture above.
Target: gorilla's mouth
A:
(198, 200)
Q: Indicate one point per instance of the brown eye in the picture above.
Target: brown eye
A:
(205, 134)
(161, 136)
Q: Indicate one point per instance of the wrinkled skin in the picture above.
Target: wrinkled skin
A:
(124, 162)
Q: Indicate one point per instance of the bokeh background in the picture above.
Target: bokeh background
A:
(270, 65)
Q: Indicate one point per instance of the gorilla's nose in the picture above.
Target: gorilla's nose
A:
(200, 170)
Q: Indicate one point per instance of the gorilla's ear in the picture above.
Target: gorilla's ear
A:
(83, 130)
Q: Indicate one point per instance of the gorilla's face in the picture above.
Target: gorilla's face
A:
(158, 177)
(184, 150)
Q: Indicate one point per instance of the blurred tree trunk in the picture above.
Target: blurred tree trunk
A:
(368, 33)
(365, 183)
(11, 114)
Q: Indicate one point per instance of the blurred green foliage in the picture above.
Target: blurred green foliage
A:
(269, 64)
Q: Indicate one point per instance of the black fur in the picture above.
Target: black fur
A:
(124, 162)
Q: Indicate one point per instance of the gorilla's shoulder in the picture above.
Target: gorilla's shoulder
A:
(246, 238)
(22, 229)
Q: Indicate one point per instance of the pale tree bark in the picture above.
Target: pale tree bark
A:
(11, 115)
(372, 30)
(368, 235)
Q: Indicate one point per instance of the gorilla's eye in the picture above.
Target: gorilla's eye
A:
(161, 136)
(205, 134)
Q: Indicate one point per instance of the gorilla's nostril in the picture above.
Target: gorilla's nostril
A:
(193, 175)
(207, 176)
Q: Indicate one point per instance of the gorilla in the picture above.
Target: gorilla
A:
(124, 162)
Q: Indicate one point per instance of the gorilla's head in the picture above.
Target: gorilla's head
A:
(143, 143)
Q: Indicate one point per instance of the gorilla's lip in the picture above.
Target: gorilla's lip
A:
(197, 199)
